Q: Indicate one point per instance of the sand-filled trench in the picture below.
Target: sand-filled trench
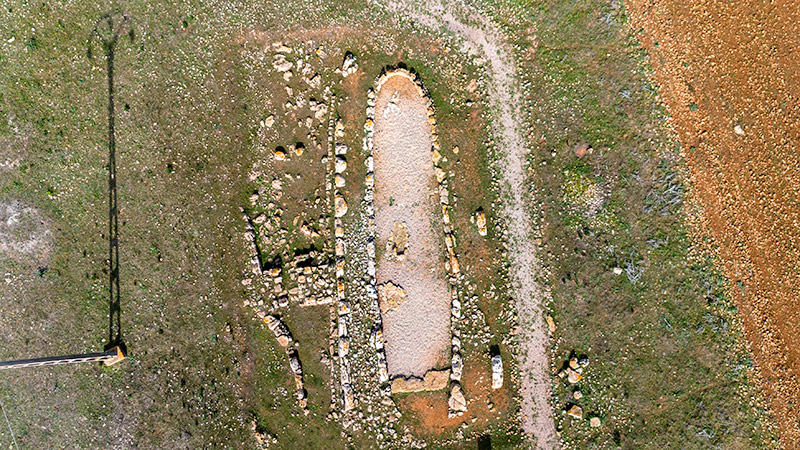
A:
(416, 305)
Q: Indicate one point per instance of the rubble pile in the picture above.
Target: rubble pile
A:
(313, 281)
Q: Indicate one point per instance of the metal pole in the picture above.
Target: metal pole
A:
(112, 356)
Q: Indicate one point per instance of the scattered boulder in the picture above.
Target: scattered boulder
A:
(457, 403)
(398, 240)
(575, 412)
(279, 329)
(339, 128)
(263, 439)
(294, 363)
(435, 379)
(284, 340)
(280, 47)
(457, 367)
(344, 346)
(551, 324)
(341, 164)
(302, 399)
(432, 381)
(390, 296)
(573, 362)
(436, 157)
(348, 397)
(305, 228)
(594, 422)
(440, 174)
(281, 64)
(349, 65)
(383, 371)
(497, 372)
(573, 376)
(340, 205)
(582, 150)
(339, 181)
(480, 221)
(315, 81)
(318, 108)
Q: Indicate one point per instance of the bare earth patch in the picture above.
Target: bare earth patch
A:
(24, 234)
(417, 330)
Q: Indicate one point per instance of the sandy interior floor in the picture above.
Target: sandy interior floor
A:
(417, 332)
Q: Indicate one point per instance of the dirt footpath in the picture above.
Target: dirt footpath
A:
(729, 74)
(417, 315)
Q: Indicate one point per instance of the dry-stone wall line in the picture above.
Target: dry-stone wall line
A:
(278, 328)
(281, 333)
(250, 241)
(333, 337)
(339, 166)
(457, 403)
(376, 337)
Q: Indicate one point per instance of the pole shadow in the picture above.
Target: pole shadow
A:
(107, 32)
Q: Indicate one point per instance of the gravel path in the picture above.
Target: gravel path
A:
(487, 41)
(417, 331)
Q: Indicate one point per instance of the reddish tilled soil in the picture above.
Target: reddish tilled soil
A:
(729, 74)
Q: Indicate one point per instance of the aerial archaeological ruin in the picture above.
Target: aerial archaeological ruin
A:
(399, 225)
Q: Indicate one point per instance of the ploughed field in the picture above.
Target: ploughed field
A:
(730, 78)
